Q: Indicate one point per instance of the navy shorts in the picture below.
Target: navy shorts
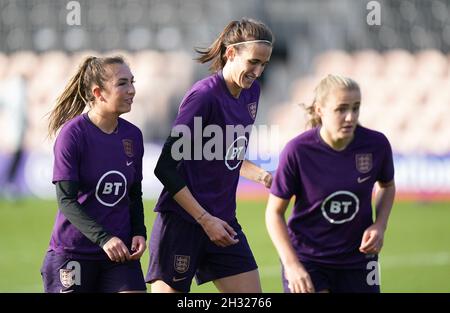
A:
(62, 274)
(180, 250)
(337, 280)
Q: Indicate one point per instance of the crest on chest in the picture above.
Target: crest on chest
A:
(128, 147)
(364, 162)
(252, 110)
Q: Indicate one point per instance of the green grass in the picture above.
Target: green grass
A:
(415, 258)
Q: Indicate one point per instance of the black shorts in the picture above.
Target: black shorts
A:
(180, 250)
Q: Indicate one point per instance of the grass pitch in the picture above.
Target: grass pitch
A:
(415, 257)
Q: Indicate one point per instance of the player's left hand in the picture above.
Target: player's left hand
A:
(266, 179)
(138, 247)
(372, 239)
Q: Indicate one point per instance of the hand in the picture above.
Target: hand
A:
(266, 179)
(138, 247)
(298, 279)
(218, 230)
(372, 239)
(116, 250)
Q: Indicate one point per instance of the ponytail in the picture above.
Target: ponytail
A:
(71, 102)
(77, 93)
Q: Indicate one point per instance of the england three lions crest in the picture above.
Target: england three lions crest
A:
(364, 162)
(66, 276)
(252, 110)
(128, 147)
(181, 263)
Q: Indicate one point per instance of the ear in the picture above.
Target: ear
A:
(230, 53)
(97, 92)
(318, 109)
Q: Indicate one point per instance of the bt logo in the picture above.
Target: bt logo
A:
(340, 207)
(236, 153)
(111, 188)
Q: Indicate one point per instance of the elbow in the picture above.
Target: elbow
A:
(157, 172)
(160, 171)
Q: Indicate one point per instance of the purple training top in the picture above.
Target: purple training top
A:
(213, 182)
(333, 193)
(105, 166)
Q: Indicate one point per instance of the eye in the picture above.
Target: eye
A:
(253, 62)
(123, 83)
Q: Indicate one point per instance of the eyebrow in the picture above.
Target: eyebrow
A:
(347, 104)
(258, 60)
(126, 79)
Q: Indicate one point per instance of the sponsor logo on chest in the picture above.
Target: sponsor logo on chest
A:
(111, 188)
(340, 207)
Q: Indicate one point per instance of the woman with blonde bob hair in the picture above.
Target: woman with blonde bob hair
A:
(330, 238)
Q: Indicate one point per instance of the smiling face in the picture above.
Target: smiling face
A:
(339, 113)
(117, 95)
(245, 64)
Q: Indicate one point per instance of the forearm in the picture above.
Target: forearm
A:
(255, 173)
(187, 201)
(166, 172)
(66, 192)
(383, 203)
(252, 171)
(137, 211)
(278, 231)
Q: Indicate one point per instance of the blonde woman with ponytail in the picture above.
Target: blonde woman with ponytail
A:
(99, 233)
(331, 243)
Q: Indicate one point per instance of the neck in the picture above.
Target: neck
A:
(232, 87)
(335, 144)
(106, 122)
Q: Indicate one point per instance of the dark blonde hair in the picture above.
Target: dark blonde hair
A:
(321, 92)
(77, 93)
(235, 32)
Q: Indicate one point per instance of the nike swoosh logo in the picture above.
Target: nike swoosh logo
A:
(65, 291)
(178, 279)
(129, 163)
(361, 180)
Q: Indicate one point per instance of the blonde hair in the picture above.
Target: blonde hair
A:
(321, 92)
(234, 34)
(77, 93)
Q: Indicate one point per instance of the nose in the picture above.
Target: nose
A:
(351, 116)
(259, 69)
(131, 89)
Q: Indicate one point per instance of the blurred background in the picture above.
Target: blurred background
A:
(397, 50)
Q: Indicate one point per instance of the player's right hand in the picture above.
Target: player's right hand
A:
(116, 250)
(218, 231)
(298, 279)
